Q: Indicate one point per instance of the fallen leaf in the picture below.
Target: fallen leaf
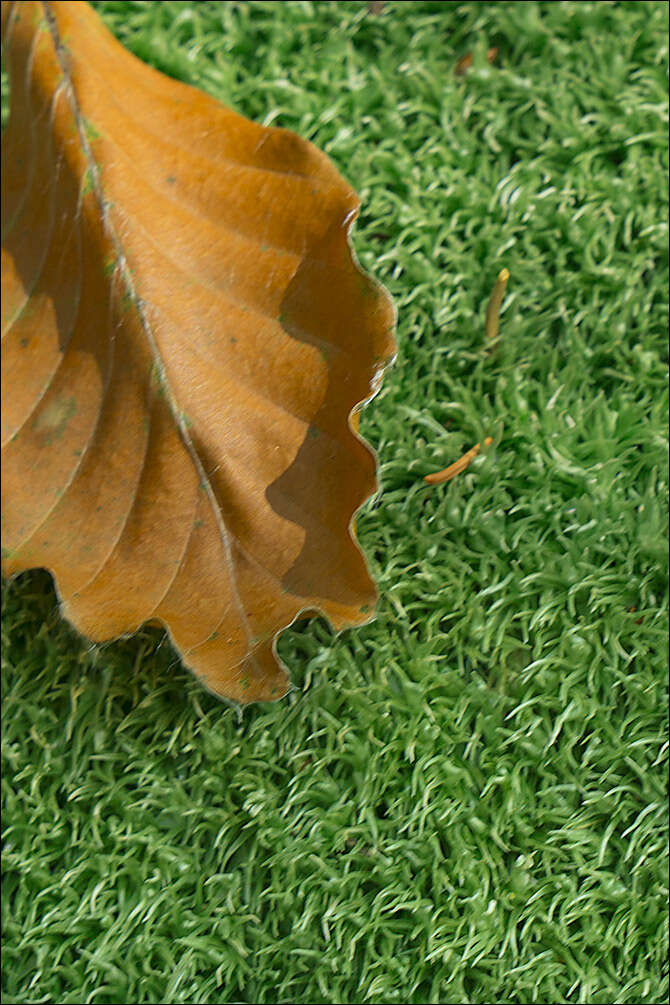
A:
(185, 337)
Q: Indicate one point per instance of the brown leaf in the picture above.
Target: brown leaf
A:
(185, 334)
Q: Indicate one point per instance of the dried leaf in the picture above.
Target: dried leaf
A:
(185, 336)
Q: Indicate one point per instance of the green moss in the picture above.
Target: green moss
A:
(465, 800)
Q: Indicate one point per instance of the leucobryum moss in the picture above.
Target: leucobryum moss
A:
(465, 800)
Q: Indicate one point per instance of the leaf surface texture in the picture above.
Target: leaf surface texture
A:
(185, 340)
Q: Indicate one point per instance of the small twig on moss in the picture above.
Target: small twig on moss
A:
(492, 324)
(458, 466)
(493, 308)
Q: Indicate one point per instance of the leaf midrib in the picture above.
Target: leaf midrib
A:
(170, 398)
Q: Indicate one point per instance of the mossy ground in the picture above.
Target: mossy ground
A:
(464, 801)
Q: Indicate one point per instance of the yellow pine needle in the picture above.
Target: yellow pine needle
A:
(458, 466)
(493, 308)
(492, 323)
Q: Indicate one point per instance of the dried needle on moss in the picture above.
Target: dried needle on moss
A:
(458, 466)
(495, 300)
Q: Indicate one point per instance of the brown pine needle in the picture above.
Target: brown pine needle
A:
(463, 65)
(492, 322)
(493, 308)
(458, 466)
(465, 62)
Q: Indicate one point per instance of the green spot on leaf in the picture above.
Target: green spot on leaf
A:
(90, 131)
(87, 184)
(156, 375)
